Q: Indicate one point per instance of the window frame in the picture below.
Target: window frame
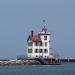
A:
(30, 43)
(45, 37)
(45, 50)
(45, 44)
(40, 50)
(41, 44)
(36, 50)
(30, 51)
(36, 43)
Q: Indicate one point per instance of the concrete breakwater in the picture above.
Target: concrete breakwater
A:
(19, 62)
(35, 61)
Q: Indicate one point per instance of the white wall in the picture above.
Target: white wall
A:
(33, 54)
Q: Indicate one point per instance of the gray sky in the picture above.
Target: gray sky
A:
(19, 17)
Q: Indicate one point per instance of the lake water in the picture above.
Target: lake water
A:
(64, 69)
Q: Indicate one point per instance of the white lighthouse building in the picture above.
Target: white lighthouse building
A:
(39, 45)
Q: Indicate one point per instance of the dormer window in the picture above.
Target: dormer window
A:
(45, 37)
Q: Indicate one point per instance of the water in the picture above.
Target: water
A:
(65, 69)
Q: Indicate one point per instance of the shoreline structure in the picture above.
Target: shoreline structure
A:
(38, 52)
(36, 61)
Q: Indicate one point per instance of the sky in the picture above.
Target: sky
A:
(19, 17)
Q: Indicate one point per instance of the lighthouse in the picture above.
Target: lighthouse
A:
(39, 45)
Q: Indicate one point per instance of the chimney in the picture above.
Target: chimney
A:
(32, 33)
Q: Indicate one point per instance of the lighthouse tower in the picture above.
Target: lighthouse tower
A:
(39, 45)
(45, 38)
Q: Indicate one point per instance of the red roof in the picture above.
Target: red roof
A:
(36, 38)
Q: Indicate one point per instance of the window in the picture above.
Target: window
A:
(29, 50)
(45, 51)
(30, 43)
(36, 43)
(45, 37)
(36, 50)
(45, 44)
(45, 56)
(41, 50)
(41, 43)
(36, 56)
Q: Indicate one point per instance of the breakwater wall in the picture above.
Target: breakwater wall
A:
(30, 61)
(36, 61)
(19, 62)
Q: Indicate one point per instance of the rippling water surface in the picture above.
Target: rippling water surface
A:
(65, 69)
